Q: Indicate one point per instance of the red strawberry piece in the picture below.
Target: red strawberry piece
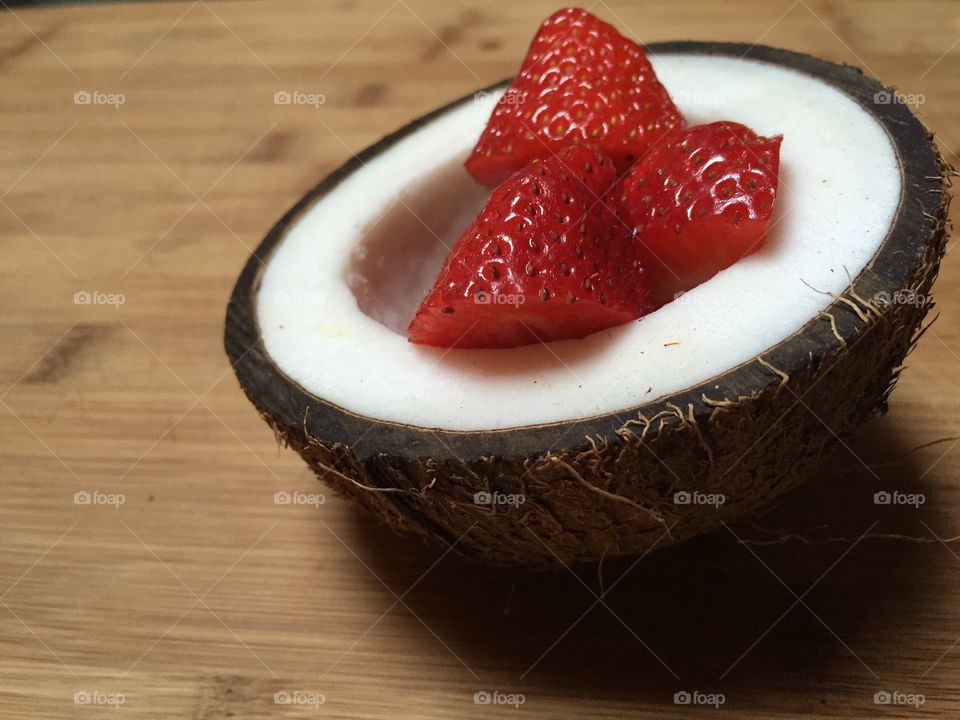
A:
(698, 201)
(581, 82)
(544, 260)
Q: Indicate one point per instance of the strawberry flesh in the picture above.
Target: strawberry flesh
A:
(545, 260)
(698, 201)
(581, 82)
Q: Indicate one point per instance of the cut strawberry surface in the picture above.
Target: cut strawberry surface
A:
(544, 260)
(698, 201)
(581, 82)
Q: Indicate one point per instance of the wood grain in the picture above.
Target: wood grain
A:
(199, 596)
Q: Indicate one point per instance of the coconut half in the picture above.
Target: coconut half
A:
(608, 445)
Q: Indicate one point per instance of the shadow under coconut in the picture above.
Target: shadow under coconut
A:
(711, 614)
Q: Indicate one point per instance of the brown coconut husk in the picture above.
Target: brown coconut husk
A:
(601, 487)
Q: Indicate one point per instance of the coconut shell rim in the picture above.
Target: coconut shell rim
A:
(891, 269)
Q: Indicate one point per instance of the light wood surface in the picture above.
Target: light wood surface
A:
(200, 597)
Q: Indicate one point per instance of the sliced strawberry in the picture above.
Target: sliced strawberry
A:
(581, 82)
(698, 201)
(544, 260)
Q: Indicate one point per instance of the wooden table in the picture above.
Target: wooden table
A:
(198, 596)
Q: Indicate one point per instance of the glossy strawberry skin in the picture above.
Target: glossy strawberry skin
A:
(581, 82)
(698, 201)
(545, 260)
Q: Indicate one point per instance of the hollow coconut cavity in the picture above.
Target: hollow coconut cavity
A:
(615, 443)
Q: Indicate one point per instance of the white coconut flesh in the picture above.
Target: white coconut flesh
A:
(338, 292)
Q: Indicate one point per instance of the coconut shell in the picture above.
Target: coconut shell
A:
(606, 486)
